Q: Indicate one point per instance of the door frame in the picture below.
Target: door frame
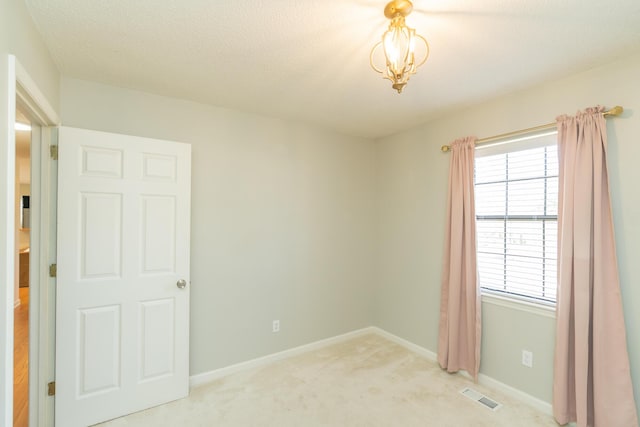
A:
(23, 91)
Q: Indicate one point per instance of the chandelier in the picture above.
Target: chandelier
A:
(399, 43)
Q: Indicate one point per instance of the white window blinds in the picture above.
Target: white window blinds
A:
(516, 193)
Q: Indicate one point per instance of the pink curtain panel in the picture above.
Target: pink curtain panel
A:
(592, 380)
(460, 327)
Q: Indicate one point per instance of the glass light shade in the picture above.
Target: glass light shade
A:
(398, 48)
(398, 44)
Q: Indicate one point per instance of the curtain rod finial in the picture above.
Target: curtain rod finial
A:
(445, 148)
(615, 111)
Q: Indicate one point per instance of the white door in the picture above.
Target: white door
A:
(122, 301)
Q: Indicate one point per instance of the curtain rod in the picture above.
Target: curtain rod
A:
(615, 111)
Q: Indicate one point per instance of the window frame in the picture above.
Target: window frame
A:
(504, 298)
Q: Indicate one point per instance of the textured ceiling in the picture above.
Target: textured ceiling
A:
(308, 60)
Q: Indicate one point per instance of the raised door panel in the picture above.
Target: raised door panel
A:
(158, 234)
(101, 221)
(99, 337)
(157, 336)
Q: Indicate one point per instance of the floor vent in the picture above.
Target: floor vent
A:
(481, 399)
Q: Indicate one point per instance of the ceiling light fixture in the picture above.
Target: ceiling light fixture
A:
(399, 43)
(22, 127)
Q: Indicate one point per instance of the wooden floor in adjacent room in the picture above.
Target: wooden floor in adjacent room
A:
(21, 361)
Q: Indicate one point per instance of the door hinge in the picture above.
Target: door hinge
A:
(53, 270)
(51, 388)
(53, 150)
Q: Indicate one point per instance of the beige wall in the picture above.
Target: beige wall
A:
(412, 181)
(281, 220)
(25, 42)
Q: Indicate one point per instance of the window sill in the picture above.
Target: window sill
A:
(521, 305)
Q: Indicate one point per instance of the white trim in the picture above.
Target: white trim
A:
(520, 305)
(35, 307)
(485, 380)
(31, 97)
(541, 138)
(32, 101)
(7, 236)
(428, 354)
(539, 404)
(206, 377)
(534, 402)
(42, 293)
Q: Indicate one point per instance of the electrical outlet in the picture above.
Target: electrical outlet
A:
(276, 326)
(527, 358)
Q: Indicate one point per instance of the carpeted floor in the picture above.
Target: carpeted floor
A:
(367, 381)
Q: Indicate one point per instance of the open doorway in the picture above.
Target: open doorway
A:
(22, 279)
(25, 96)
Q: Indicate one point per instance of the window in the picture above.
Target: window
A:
(516, 192)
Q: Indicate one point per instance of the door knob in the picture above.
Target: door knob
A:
(181, 284)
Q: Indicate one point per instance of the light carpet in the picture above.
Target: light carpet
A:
(367, 381)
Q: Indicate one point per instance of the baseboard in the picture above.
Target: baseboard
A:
(539, 404)
(206, 377)
(428, 354)
(483, 379)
